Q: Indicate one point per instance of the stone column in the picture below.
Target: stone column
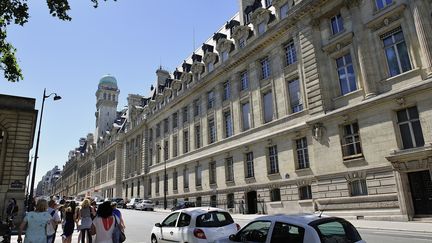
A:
(422, 26)
(363, 53)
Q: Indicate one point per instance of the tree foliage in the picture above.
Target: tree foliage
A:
(16, 12)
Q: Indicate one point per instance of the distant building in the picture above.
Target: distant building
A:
(46, 186)
(17, 128)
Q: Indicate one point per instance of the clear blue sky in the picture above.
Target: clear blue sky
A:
(128, 39)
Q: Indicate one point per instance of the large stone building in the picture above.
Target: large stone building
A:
(17, 127)
(294, 106)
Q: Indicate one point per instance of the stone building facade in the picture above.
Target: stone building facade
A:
(17, 128)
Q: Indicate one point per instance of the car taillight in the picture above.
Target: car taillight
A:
(199, 233)
(238, 227)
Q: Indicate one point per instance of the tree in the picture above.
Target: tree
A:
(16, 12)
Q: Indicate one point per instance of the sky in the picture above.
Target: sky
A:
(129, 39)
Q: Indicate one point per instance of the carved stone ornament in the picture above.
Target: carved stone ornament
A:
(167, 92)
(186, 77)
(339, 43)
(159, 97)
(388, 18)
(197, 68)
(355, 175)
(260, 15)
(176, 84)
(318, 131)
(224, 45)
(401, 101)
(210, 57)
(151, 104)
(240, 31)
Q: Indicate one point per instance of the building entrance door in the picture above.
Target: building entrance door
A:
(252, 202)
(421, 191)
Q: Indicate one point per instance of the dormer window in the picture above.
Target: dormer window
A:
(261, 28)
(380, 4)
(210, 67)
(242, 42)
(337, 24)
(247, 18)
(283, 11)
(224, 56)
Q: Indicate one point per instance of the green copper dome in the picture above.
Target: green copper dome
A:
(108, 81)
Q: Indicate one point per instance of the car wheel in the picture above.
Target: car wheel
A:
(153, 239)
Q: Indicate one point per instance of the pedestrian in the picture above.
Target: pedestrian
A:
(117, 213)
(35, 223)
(52, 210)
(104, 223)
(12, 208)
(69, 222)
(84, 214)
(93, 209)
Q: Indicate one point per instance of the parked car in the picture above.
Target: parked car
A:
(308, 228)
(119, 201)
(181, 205)
(145, 205)
(132, 203)
(202, 224)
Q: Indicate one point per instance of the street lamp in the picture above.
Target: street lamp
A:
(30, 202)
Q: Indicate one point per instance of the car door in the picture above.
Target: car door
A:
(284, 232)
(183, 228)
(256, 231)
(169, 231)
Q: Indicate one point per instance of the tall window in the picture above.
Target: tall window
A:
(150, 156)
(396, 52)
(211, 130)
(283, 11)
(265, 68)
(166, 149)
(229, 165)
(305, 192)
(242, 42)
(302, 153)
(212, 172)
(410, 128)
(244, 80)
(275, 195)
(211, 99)
(380, 4)
(149, 187)
(150, 135)
(158, 127)
(268, 107)
(166, 126)
(138, 188)
(228, 124)
(210, 67)
(351, 145)
(198, 175)
(175, 120)
(157, 182)
(290, 53)
(246, 116)
(175, 146)
(295, 96)
(224, 56)
(273, 160)
(175, 182)
(336, 24)
(185, 114)
(346, 74)
(230, 200)
(196, 107)
(358, 187)
(197, 136)
(250, 172)
(226, 91)
(185, 178)
(185, 141)
(132, 189)
(158, 152)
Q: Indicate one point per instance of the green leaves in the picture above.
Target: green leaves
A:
(16, 12)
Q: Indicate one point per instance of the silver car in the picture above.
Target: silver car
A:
(302, 228)
(145, 205)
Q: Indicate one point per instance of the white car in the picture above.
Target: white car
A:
(145, 205)
(302, 228)
(132, 203)
(202, 224)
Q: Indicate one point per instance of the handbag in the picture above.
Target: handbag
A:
(118, 235)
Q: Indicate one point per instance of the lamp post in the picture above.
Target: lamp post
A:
(30, 202)
(165, 180)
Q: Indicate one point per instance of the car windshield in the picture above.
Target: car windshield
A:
(214, 219)
(336, 230)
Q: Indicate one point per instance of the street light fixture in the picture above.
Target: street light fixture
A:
(30, 199)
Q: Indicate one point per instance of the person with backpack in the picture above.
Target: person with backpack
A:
(52, 210)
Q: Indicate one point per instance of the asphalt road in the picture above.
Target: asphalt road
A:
(140, 223)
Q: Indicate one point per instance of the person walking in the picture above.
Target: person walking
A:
(52, 210)
(84, 214)
(117, 213)
(35, 223)
(104, 223)
(69, 222)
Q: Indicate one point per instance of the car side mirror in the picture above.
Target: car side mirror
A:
(158, 225)
(233, 238)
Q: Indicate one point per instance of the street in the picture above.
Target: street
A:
(139, 225)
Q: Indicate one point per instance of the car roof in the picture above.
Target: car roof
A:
(195, 211)
(299, 219)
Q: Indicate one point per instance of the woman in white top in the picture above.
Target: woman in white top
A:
(104, 223)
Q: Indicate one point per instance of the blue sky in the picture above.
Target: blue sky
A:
(128, 39)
